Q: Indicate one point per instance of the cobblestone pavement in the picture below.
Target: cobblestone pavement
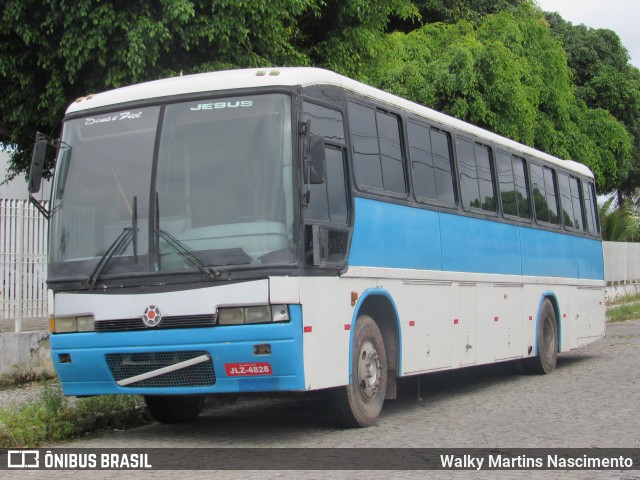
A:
(591, 400)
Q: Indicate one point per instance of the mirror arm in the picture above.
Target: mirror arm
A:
(41, 208)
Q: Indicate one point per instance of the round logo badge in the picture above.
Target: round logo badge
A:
(152, 316)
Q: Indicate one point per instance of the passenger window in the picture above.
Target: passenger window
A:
(366, 152)
(476, 176)
(570, 201)
(590, 208)
(544, 194)
(550, 192)
(513, 186)
(393, 178)
(377, 149)
(430, 154)
(325, 122)
(578, 216)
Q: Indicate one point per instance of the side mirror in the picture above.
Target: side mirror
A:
(317, 160)
(37, 162)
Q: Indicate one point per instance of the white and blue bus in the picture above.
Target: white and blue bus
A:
(290, 230)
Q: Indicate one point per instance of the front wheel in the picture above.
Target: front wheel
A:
(545, 361)
(174, 408)
(359, 403)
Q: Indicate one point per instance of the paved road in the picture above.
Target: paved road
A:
(591, 400)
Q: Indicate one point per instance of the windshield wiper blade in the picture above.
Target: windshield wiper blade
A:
(117, 244)
(128, 233)
(188, 254)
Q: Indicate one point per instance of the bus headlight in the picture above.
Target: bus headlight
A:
(231, 316)
(257, 314)
(249, 315)
(84, 323)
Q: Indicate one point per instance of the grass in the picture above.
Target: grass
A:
(623, 313)
(625, 299)
(55, 418)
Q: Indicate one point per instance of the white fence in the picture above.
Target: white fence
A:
(23, 260)
(621, 263)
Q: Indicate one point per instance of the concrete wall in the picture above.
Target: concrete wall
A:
(24, 355)
(615, 292)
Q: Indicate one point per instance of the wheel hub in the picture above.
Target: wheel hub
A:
(368, 371)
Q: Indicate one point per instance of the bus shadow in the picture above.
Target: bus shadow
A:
(440, 386)
(236, 421)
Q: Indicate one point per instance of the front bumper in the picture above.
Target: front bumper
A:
(80, 359)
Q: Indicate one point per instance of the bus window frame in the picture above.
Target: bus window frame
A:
(542, 223)
(380, 192)
(472, 210)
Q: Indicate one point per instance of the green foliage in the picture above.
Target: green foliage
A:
(605, 82)
(452, 11)
(618, 224)
(54, 52)
(54, 418)
(502, 65)
(508, 74)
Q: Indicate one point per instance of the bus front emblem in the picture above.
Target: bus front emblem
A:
(152, 316)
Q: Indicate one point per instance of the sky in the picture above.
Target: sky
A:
(621, 16)
(17, 188)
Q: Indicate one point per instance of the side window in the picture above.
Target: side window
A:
(578, 216)
(377, 149)
(544, 194)
(430, 153)
(325, 122)
(513, 185)
(476, 175)
(393, 177)
(550, 191)
(590, 208)
(366, 151)
(570, 201)
(328, 201)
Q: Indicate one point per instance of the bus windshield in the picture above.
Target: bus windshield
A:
(203, 182)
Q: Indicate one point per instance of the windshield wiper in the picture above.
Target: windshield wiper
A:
(121, 241)
(188, 254)
(179, 247)
(117, 244)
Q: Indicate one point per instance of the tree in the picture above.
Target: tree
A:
(604, 80)
(507, 74)
(618, 224)
(493, 63)
(52, 52)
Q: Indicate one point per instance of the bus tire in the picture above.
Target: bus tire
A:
(174, 408)
(359, 403)
(545, 361)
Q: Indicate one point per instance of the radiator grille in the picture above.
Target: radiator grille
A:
(128, 324)
(127, 365)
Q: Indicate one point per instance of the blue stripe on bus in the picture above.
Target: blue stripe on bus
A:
(396, 236)
(89, 374)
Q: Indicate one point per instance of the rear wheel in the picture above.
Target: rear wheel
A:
(545, 361)
(174, 408)
(359, 403)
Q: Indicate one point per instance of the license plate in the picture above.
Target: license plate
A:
(247, 369)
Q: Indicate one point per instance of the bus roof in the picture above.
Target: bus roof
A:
(296, 76)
